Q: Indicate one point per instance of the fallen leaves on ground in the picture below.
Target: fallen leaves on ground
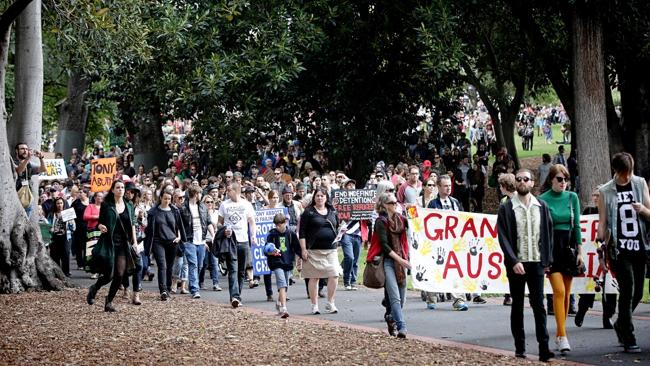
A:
(41, 328)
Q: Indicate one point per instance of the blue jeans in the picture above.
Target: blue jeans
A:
(180, 268)
(214, 269)
(351, 245)
(194, 255)
(396, 293)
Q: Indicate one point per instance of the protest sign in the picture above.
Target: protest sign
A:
(354, 204)
(102, 173)
(69, 214)
(264, 223)
(459, 252)
(54, 169)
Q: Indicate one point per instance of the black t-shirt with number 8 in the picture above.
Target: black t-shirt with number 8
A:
(627, 225)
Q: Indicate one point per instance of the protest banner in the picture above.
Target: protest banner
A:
(102, 173)
(264, 223)
(459, 252)
(54, 169)
(354, 204)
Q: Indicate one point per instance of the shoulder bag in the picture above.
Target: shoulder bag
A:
(570, 252)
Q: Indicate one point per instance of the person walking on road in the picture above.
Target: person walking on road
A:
(525, 233)
(623, 210)
(564, 206)
(318, 228)
(390, 229)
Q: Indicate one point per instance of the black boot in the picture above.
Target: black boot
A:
(108, 307)
(390, 323)
(607, 322)
(92, 292)
(580, 316)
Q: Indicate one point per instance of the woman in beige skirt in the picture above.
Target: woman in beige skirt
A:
(318, 229)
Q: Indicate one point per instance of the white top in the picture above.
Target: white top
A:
(196, 224)
(236, 214)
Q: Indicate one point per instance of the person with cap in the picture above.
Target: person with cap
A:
(255, 197)
(280, 258)
(293, 208)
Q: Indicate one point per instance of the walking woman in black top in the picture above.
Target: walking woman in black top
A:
(117, 224)
(163, 233)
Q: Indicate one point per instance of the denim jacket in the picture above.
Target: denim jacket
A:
(608, 191)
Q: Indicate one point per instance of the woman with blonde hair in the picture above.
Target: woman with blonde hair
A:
(390, 229)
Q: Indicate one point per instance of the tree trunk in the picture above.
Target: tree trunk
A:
(26, 121)
(149, 144)
(73, 116)
(24, 261)
(589, 100)
(635, 90)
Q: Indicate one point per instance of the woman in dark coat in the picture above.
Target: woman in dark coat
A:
(117, 224)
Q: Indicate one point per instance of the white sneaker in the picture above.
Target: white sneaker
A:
(284, 313)
(563, 344)
(314, 309)
(348, 288)
(330, 308)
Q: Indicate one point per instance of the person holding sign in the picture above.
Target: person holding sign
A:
(525, 233)
(280, 258)
(318, 229)
(61, 230)
(623, 209)
(117, 224)
(564, 206)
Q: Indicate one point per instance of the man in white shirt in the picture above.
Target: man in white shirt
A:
(238, 216)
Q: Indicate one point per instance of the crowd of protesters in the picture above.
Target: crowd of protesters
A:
(192, 221)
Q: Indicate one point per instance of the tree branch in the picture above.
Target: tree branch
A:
(10, 15)
(541, 49)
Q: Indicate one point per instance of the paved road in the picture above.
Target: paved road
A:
(484, 325)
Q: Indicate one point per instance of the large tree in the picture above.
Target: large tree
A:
(24, 260)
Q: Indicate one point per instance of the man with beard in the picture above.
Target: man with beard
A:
(24, 169)
(526, 239)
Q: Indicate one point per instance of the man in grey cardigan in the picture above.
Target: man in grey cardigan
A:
(526, 239)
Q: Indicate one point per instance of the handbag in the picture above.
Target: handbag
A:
(374, 275)
(570, 253)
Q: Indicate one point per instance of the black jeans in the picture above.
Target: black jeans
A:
(60, 252)
(534, 277)
(164, 254)
(630, 275)
(586, 302)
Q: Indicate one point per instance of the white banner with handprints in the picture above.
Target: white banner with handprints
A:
(459, 252)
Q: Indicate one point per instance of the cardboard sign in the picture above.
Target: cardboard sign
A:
(54, 169)
(102, 173)
(459, 252)
(354, 204)
(68, 215)
(264, 223)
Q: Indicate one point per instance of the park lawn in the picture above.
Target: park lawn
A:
(540, 146)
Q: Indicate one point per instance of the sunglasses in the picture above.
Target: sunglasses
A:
(431, 185)
(524, 179)
(390, 190)
(561, 179)
(209, 201)
(278, 173)
(391, 203)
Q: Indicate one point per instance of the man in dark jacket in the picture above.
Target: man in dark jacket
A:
(195, 219)
(527, 251)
